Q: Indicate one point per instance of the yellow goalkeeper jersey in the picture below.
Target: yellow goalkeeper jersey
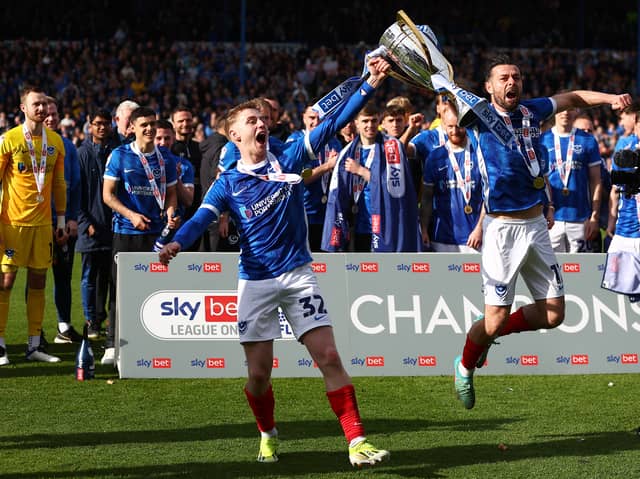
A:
(20, 205)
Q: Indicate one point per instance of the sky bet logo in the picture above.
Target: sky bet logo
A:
(524, 360)
(628, 358)
(218, 308)
(155, 363)
(205, 268)
(574, 360)
(367, 267)
(209, 363)
(414, 267)
(465, 268)
(420, 361)
(196, 315)
(191, 315)
(368, 361)
(151, 268)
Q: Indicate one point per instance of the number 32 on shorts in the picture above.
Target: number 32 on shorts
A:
(312, 305)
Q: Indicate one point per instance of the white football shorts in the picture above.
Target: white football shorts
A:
(568, 237)
(518, 246)
(295, 291)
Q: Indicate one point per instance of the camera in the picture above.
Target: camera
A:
(626, 170)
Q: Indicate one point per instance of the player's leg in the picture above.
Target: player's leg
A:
(504, 250)
(11, 259)
(102, 282)
(483, 331)
(474, 353)
(119, 243)
(321, 345)
(36, 282)
(576, 240)
(62, 271)
(88, 291)
(258, 326)
(305, 307)
(36, 243)
(7, 279)
(558, 237)
(260, 397)
(542, 275)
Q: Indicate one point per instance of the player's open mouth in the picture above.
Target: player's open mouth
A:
(261, 138)
(511, 95)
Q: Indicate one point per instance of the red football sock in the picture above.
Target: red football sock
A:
(345, 406)
(516, 323)
(263, 407)
(471, 353)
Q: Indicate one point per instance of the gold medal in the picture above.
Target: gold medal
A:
(538, 182)
(468, 209)
(39, 198)
(565, 191)
(306, 173)
(324, 199)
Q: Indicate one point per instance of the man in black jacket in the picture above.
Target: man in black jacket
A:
(210, 149)
(94, 220)
(186, 147)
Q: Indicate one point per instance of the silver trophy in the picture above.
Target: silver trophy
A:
(414, 53)
(416, 59)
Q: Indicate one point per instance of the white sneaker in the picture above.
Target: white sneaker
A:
(109, 356)
(4, 357)
(40, 355)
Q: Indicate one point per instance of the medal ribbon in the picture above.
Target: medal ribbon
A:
(564, 168)
(38, 172)
(277, 175)
(357, 181)
(530, 159)
(158, 193)
(463, 185)
(327, 176)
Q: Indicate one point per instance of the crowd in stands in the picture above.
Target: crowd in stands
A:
(87, 75)
(96, 55)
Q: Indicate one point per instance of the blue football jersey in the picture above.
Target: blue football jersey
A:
(575, 207)
(134, 190)
(269, 215)
(507, 183)
(426, 141)
(451, 225)
(628, 224)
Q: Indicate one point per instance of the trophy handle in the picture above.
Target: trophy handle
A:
(402, 17)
